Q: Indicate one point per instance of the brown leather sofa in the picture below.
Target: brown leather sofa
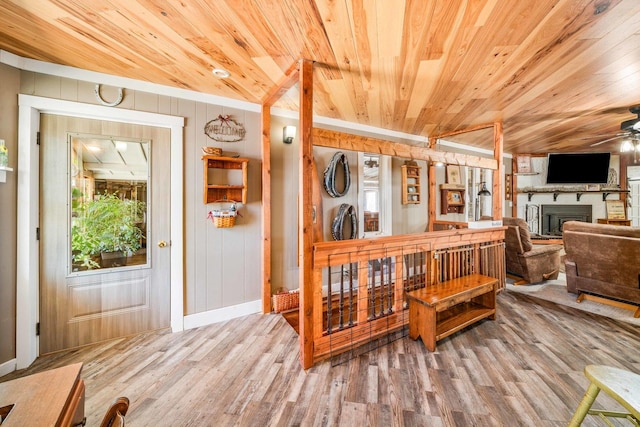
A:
(533, 263)
(603, 260)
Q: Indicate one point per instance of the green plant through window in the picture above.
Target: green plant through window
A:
(108, 207)
(106, 224)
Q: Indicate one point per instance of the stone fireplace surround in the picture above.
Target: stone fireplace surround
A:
(553, 216)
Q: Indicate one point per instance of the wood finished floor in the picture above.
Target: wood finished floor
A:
(523, 369)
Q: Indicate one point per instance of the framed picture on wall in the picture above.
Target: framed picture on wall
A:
(454, 198)
(523, 164)
(615, 209)
(453, 175)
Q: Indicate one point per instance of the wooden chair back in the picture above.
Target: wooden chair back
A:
(116, 412)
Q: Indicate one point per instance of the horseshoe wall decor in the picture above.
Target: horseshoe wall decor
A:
(108, 104)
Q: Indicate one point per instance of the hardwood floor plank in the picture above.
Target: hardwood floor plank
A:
(525, 368)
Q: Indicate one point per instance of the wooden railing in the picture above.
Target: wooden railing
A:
(359, 286)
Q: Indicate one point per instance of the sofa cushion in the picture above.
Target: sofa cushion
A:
(610, 230)
(603, 259)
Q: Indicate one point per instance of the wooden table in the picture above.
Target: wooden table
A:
(50, 398)
(626, 222)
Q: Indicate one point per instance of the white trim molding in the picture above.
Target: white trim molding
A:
(222, 314)
(28, 257)
(7, 367)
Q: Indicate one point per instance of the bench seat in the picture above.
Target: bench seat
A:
(437, 311)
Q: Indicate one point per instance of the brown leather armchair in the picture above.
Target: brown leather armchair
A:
(533, 264)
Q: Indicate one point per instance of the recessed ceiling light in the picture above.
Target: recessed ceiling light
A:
(219, 72)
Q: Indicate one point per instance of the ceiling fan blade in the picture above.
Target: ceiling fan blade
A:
(609, 135)
(607, 140)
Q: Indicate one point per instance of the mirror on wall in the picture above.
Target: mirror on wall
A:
(374, 199)
(371, 192)
(479, 199)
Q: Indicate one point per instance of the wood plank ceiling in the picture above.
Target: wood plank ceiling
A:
(560, 74)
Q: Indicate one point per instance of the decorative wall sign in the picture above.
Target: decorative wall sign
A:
(507, 187)
(224, 129)
(523, 164)
(615, 209)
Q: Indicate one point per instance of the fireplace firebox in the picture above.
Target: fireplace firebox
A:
(553, 216)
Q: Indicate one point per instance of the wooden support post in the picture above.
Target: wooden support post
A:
(266, 209)
(305, 213)
(290, 79)
(514, 187)
(431, 188)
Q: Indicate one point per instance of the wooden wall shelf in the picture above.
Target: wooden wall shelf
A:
(220, 186)
(578, 193)
(451, 201)
(410, 184)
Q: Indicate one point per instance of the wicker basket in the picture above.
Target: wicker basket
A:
(224, 218)
(284, 301)
(224, 221)
(212, 151)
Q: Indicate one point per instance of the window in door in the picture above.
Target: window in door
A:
(108, 210)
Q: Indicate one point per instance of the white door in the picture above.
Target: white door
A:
(634, 202)
(102, 279)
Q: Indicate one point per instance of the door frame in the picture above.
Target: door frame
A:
(28, 209)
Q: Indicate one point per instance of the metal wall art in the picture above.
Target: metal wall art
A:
(224, 129)
(101, 100)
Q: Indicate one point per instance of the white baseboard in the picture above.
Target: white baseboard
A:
(7, 367)
(220, 315)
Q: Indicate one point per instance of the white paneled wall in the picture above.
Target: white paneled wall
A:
(222, 266)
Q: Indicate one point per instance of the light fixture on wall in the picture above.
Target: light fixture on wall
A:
(288, 133)
(437, 163)
(484, 191)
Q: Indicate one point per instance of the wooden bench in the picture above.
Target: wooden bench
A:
(437, 311)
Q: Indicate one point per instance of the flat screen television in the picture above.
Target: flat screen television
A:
(578, 168)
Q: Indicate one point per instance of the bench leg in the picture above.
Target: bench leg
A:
(585, 405)
(429, 329)
(422, 323)
(414, 317)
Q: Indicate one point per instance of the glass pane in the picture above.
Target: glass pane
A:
(108, 182)
(371, 190)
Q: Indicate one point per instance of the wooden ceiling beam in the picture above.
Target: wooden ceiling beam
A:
(467, 130)
(287, 82)
(345, 141)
